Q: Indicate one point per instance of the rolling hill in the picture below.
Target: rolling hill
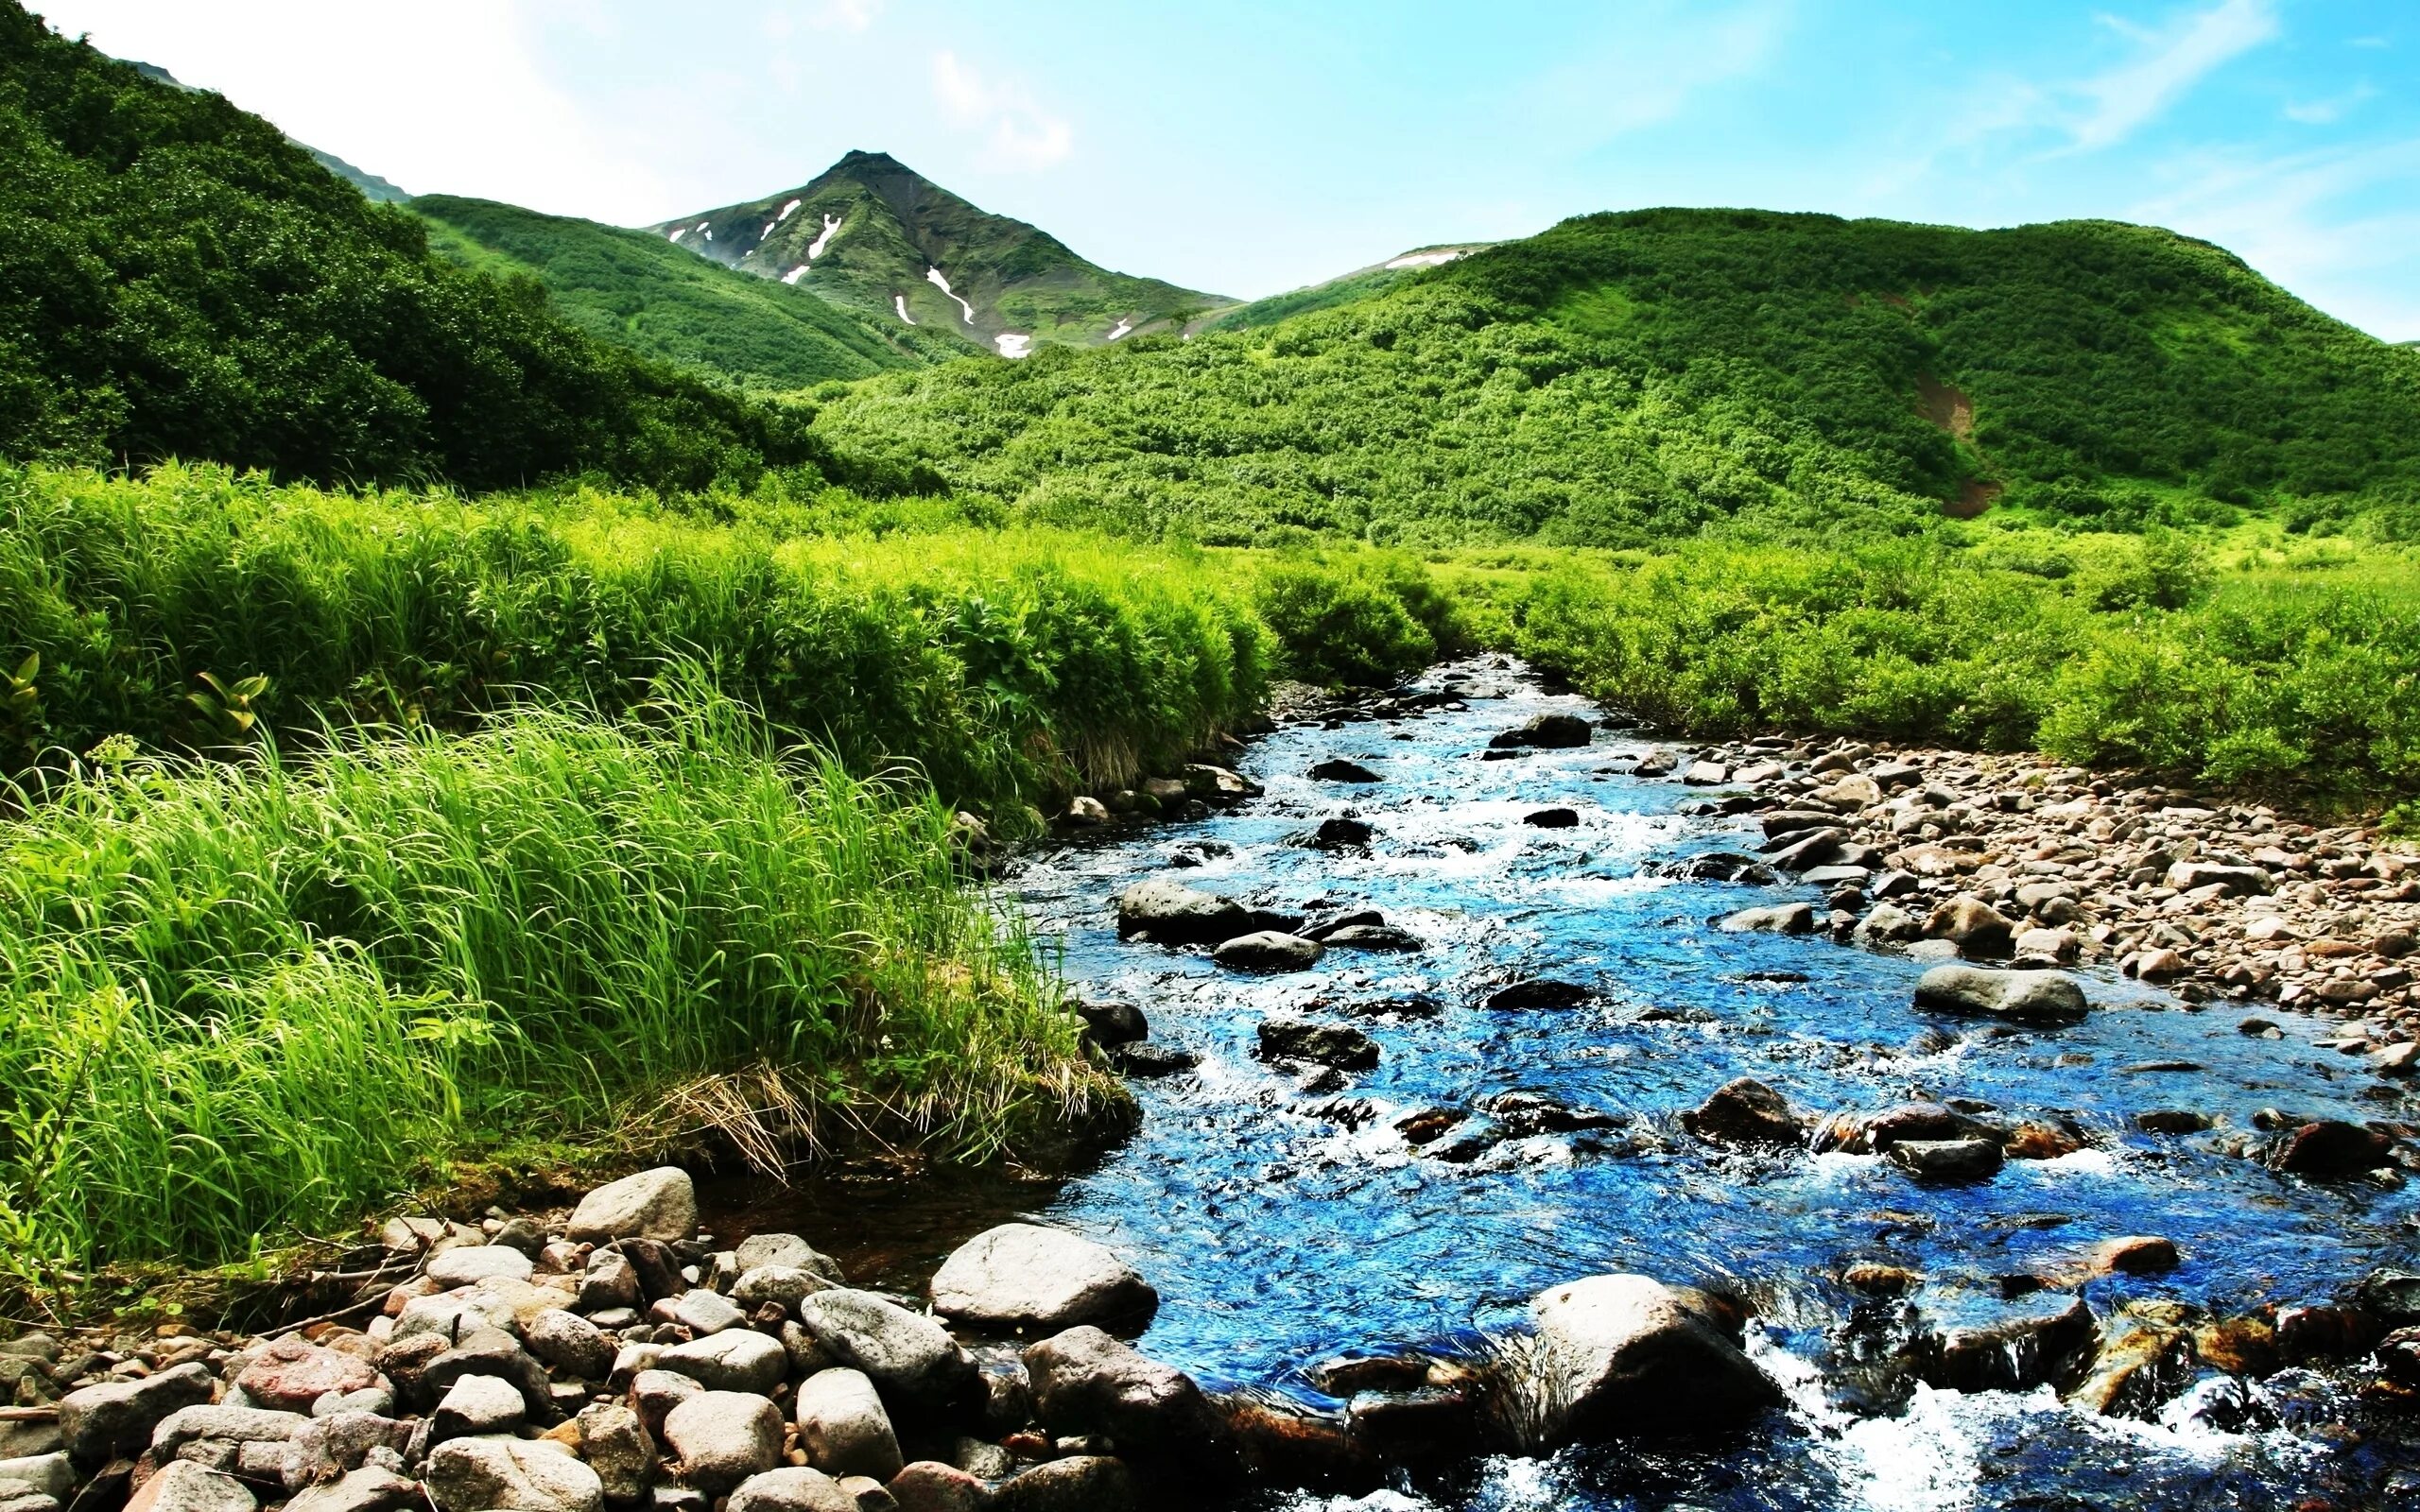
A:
(874, 235)
(637, 290)
(1626, 377)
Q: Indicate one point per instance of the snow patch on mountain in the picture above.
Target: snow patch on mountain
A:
(933, 276)
(795, 274)
(899, 302)
(678, 231)
(1121, 327)
(1427, 259)
(815, 248)
(1013, 345)
(786, 210)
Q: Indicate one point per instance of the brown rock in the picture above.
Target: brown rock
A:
(2332, 1148)
(291, 1374)
(929, 1486)
(1877, 1280)
(2136, 1255)
(2040, 1142)
(1746, 1111)
(1976, 928)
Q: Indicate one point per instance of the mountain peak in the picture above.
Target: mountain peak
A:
(872, 233)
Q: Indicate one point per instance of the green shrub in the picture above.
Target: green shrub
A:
(1340, 624)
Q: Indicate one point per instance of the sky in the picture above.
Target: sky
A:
(1245, 148)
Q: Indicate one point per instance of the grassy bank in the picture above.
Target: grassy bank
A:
(1008, 664)
(2225, 662)
(252, 998)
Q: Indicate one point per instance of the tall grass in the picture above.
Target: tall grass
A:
(245, 998)
(1009, 664)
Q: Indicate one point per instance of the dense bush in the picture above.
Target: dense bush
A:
(1361, 619)
(179, 279)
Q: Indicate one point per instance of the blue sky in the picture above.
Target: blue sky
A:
(1248, 148)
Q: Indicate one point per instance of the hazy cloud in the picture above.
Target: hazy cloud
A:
(2328, 111)
(2180, 55)
(1018, 133)
(1649, 72)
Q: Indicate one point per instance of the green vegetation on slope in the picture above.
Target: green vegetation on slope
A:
(884, 228)
(179, 279)
(1627, 378)
(639, 291)
(251, 1000)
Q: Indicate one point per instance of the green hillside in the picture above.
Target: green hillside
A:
(1628, 377)
(182, 281)
(1327, 295)
(870, 232)
(641, 292)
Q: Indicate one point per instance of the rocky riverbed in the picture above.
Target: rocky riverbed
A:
(1534, 1117)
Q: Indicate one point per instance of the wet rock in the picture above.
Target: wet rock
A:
(1112, 1023)
(2171, 1121)
(115, 1419)
(2014, 1354)
(1284, 1442)
(1538, 993)
(1546, 733)
(2149, 1361)
(1522, 1112)
(2157, 966)
(1023, 1278)
(1555, 818)
(1655, 763)
(1341, 833)
(1885, 924)
(1269, 951)
(1323, 1044)
(661, 1205)
(1877, 1280)
(1085, 1381)
(1080, 1483)
(1617, 1354)
(510, 1475)
(569, 1343)
(1872, 1133)
(1969, 1159)
(2039, 1142)
(844, 1427)
(2332, 1148)
(181, 1486)
(910, 1358)
(1384, 939)
(792, 1489)
(1746, 1111)
(1217, 784)
(723, 1438)
(1980, 931)
(473, 1263)
(2021, 997)
(1340, 769)
(1724, 865)
(1779, 918)
(1150, 1060)
(734, 1359)
(1170, 913)
(2135, 1255)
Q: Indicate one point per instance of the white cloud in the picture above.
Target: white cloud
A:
(2328, 111)
(2124, 98)
(844, 15)
(1019, 133)
(1650, 71)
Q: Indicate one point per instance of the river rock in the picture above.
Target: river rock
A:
(1171, 913)
(473, 1263)
(50, 1475)
(1888, 924)
(1978, 930)
(2332, 1148)
(181, 1486)
(1109, 1024)
(369, 1488)
(1746, 1111)
(115, 1418)
(844, 1427)
(476, 1404)
(1546, 733)
(1085, 811)
(734, 1359)
(1323, 1044)
(610, 1281)
(2022, 997)
(326, 1448)
(1969, 1159)
(1340, 769)
(565, 1341)
(910, 1358)
(792, 1489)
(2189, 876)
(929, 1486)
(1619, 1353)
(1079, 1483)
(1269, 951)
(784, 1286)
(1382, 937)
(723, 1437)
(292, 1373)
(2134, 1255)
(229, 1425)
(1778, 918)
(1554, 818)
(785, 1249)
(1538, 993)
(1027, 1278)
(2015, 1354)
(510, 1475)
(661, 1204)
(1085, 1381)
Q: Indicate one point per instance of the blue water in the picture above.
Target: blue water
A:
(1281, 1225)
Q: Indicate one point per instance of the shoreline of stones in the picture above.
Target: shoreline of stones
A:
(615, 1358)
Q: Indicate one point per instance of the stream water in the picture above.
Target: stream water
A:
(1283, 1225)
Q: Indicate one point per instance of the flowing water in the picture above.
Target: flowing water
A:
(1284, 1225)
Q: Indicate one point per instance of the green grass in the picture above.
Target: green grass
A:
(249, 999)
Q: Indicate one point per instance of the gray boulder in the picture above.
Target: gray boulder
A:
(1085, 1381)
(785, 1249)
(1969, 1159)
(703, 1311)
(661, 1204)
(115, 1419)
(929, 1486)
(325, 1448)
(723, 1438)
(181, 1486)
(477, 1405)
(1269, 951)
(792, 1489)
(473, 1263)
(1023, 1278)
(910, 1358)
(1621, 1353)
(844, 1427)
(236, 1425)
(2021, 997)
(2187, 876)
(735, 1359)
(570, 1344)
(619, 1448)
(512, 1475)
(1779, 918)
(371, 1489)
(1173, 913)
(1888, 924)
(48, 1475)
(1325, 1044)
(1545, 732)
(1079, 1483)
(784, 1285)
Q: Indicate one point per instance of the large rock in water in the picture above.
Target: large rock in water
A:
(1546, 733)
(661, 1204)
(1269, 951)
(911, 1358)
(2022, 997)
(1287, 1037)
(1621, 1353)
(1174, 914)
(1746, 1111)
(1023, 1278)
(1085, 1381)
